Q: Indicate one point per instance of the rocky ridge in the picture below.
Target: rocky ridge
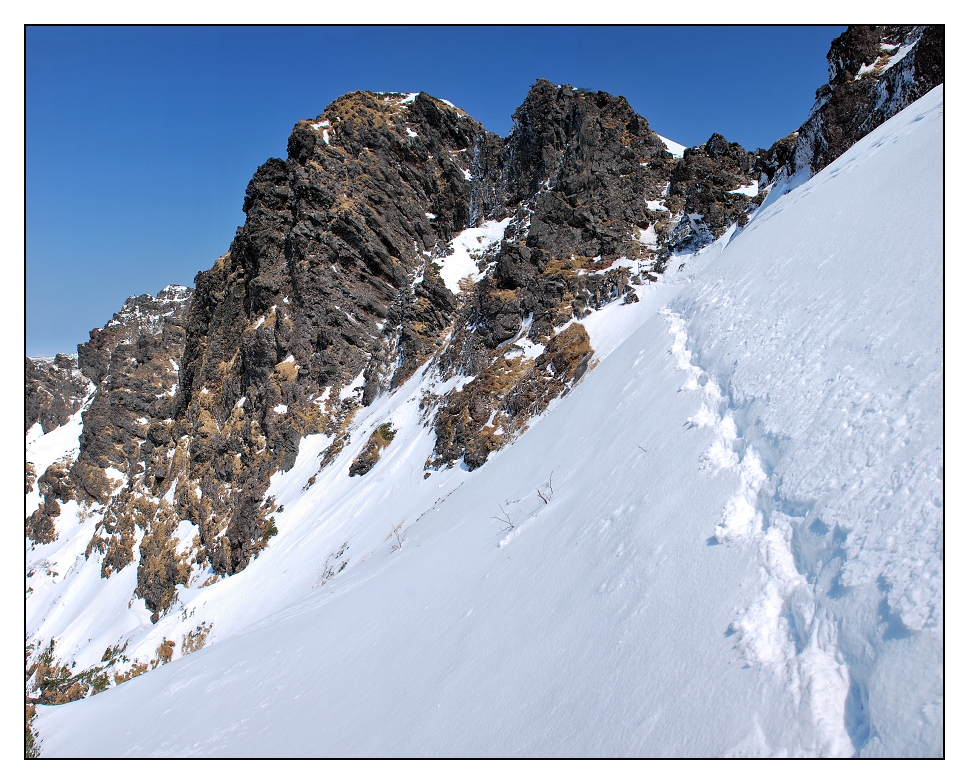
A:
(132, 364)
(332, 293)
(54, 390)
(874, 71)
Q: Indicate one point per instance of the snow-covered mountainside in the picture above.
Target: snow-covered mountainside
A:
(398, 240)
(719, 531)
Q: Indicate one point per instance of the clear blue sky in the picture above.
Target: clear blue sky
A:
(140, 141)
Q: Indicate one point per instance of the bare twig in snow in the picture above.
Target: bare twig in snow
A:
(548, 488)
(505, 518)
(400, 540)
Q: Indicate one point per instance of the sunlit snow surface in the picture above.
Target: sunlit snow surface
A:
(45, 449)
(674, 147)
(466, 249)
(749, 190)
(740, 553)
(67, 598)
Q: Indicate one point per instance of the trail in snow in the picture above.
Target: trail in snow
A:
(765, 636)
(827, 407)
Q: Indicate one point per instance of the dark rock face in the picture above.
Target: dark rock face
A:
(577, 172)
(144, 315)
(701, 187)
(318, 287)
(585, 164)
(874, 71)
(135, 360)
(54, 391)
(585, 183)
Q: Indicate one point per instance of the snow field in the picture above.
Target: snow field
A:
(828, 352)
(564, 639)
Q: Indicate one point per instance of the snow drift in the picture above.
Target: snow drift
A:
(727, 540)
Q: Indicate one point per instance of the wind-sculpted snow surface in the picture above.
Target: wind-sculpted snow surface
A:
(726, 540)
(822, 362)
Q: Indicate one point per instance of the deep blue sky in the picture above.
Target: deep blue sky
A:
(140, 141)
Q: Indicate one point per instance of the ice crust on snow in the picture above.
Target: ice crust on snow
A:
(740, 554)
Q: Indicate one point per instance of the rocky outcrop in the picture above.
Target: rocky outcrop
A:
(703, 188)
(139, 317)
(55, 487)
(596, 201)
(874, 71)
(125, 444)
(585, 164)
(321, 286)
(134, 361)
(379, 440)
(55, 389)
(577, 172)
(492, 409)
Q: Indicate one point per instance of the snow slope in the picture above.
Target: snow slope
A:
(44, 449)
(674, 147)
(740, 553)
